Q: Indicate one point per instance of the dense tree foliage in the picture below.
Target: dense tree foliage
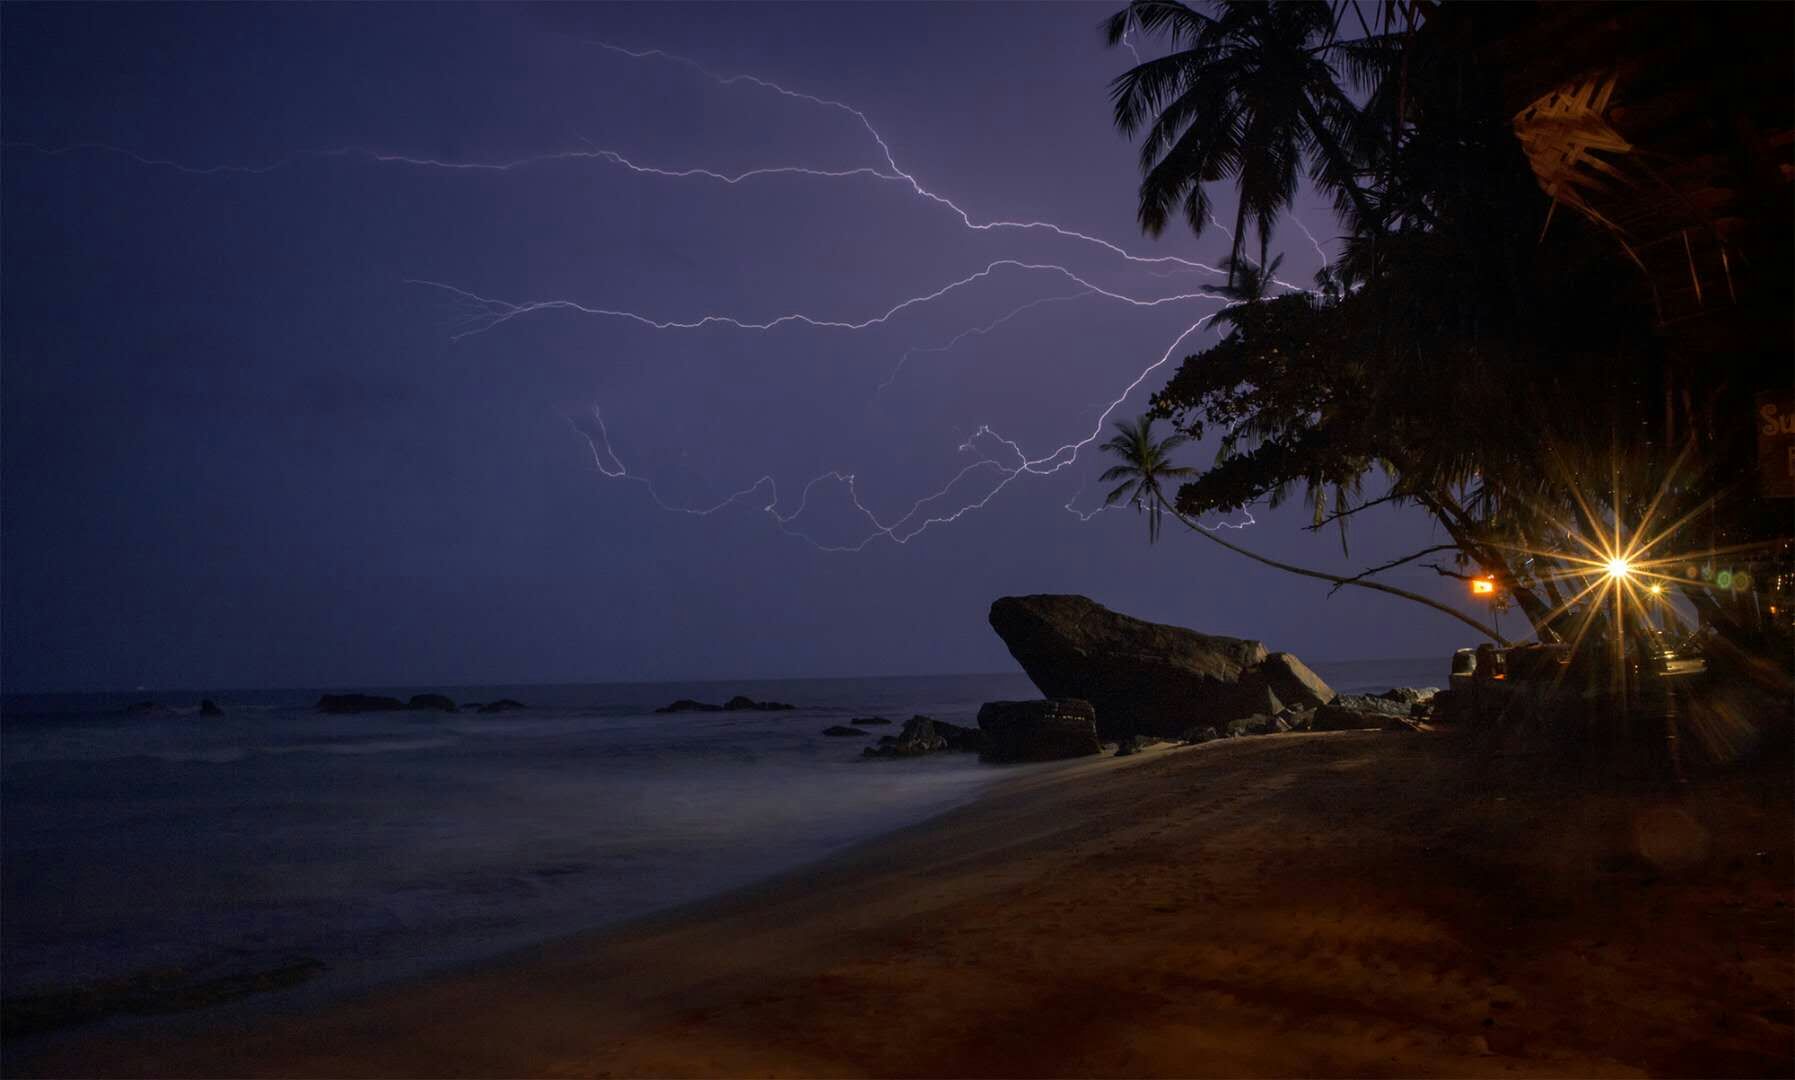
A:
(1498, 366)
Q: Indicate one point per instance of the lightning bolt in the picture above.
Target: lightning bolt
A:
(481, 313)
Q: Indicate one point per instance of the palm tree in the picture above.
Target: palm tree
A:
(1249, 94)
(1144, 464)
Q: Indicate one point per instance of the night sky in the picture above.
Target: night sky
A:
(243, 448)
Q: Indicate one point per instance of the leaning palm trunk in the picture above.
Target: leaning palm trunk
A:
(1323, 576)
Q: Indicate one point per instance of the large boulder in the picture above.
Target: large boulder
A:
(436, 702)
(1146, 678)
(1038, 730)
(1292, 681)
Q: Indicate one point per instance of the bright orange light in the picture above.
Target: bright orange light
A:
(1657, 588)
(1483, 586)
(1619, 568)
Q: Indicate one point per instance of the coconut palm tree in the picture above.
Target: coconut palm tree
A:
(1250, 94)
(1145, 462)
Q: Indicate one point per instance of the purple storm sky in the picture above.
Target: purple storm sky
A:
(242, 446)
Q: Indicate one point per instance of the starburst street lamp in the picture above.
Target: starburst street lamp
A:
(1619, 568)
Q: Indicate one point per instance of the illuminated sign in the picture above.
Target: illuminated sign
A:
(1776, 443)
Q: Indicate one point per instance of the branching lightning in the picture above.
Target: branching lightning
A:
(999, 460)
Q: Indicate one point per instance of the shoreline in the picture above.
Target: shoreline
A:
(1278, 905)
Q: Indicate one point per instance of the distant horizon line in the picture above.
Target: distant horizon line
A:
(428, 686)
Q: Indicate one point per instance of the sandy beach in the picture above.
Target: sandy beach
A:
(1351, 904)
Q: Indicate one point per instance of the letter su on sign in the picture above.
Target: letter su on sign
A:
(1776, 443)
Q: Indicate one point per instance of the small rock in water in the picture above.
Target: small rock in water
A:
(918, 737)
(841, 729)
(688, 705)
(145, 708)
(742, 702)
(354, 703)
(431, 701)
(502, 705)
(869, 720)
(208, 707)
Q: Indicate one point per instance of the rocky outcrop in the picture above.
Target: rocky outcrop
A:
(918, 737)
(431, 701)
(963, 739)
(1038, 730)
(354, 703)
(208, 707)
(688, 705)
(842, 729)
(1145, 678)
(502, 705)
(739, 703)
(865, 720)
(1294, 684)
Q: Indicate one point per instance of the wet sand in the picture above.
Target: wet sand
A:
(1354, 904)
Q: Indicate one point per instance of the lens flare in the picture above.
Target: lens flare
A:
(1619, 568)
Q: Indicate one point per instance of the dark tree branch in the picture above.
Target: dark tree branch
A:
(1390, 565)
(1351, 510)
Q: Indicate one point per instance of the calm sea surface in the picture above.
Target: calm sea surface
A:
(390, 843)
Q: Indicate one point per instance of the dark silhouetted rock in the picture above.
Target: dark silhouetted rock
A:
(1336, 716)
(741, 703)
(965, 739)
(1201, 734)
(1291, 680)
(918, 737)
(1249, 725)
(1409, 695)
(432, 701)
(1134, 744)
(841, 729)
(1038, 730)
(208, 707)
(688, 705)
(502, 705)
(354, 703)
(1146, 678)
(869, 720)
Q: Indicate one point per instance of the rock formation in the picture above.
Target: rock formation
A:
(432, 701)
(354, 703)
(1146, 678)
(502, 705)
(1038, 730)
(843, 729)
(918, 737)
(739, 703)
(208, 707)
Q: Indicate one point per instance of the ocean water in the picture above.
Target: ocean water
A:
(386, 844)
